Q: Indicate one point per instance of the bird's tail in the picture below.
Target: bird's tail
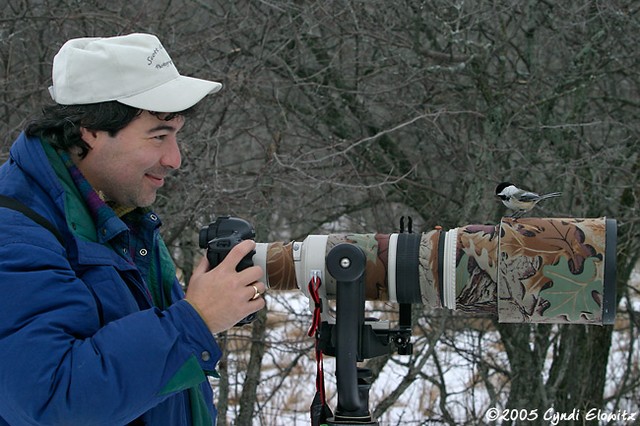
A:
(550, 195)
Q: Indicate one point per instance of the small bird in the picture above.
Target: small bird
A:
(519, 200)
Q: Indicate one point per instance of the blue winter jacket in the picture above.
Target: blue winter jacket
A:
(80, 340)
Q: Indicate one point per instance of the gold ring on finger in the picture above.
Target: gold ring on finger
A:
(255, 296)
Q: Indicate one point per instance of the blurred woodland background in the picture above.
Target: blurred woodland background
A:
(345, 115)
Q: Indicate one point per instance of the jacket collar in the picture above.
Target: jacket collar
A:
(44, 165)
(26, 152)
(87, 215)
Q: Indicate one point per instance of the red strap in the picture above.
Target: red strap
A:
(314, 293)
(314, 287)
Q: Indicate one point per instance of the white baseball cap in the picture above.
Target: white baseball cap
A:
(134, 69)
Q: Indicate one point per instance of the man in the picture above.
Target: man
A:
(95, 329)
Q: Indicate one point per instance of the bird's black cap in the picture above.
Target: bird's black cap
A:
(502, 186)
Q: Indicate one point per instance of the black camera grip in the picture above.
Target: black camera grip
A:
(220, 237)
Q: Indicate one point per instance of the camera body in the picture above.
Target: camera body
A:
(220, 236)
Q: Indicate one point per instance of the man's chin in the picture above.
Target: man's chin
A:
(142, 201)
(147, 202)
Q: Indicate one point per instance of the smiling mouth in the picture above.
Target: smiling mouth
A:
(156, 180)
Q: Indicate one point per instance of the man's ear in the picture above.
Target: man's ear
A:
(89, 136)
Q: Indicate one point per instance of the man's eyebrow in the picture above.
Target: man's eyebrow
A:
(162, 127)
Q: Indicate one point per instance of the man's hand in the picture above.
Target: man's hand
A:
(223, 296)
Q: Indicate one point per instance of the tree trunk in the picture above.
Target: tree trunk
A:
(249, 398)
(223, 386)
(526, 349)
(579, 382)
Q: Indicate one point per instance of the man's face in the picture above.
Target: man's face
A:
(130, 167)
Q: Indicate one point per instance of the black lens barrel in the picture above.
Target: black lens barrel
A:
(407, 271)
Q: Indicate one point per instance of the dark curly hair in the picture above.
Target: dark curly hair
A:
(60, 125)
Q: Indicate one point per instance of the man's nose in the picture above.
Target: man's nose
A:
(171, 156)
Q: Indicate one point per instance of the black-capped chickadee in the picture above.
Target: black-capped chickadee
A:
(519, 200)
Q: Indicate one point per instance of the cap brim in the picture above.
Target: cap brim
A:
(176, 95)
